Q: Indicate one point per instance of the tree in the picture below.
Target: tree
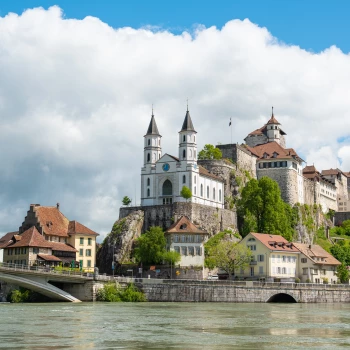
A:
(261, 208)
(210, 152)
(230, 256)
(150, 247)
(343, 273)
(186, 192)
(171, 257)
(126, 201)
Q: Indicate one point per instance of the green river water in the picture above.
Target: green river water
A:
(174, 326)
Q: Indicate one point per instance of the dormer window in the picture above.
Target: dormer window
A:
(183, 227)
(265, 155)
(275, 154)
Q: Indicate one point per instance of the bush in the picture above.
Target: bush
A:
(325, 280)
(19, 296)
(297, 280)
(308, 280)
(111, 293)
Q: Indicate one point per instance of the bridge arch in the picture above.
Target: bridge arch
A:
(281, 297)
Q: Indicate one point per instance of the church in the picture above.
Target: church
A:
(163, 175)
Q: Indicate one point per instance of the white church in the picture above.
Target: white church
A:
(163, 175)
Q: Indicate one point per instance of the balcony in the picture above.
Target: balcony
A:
(253, 262)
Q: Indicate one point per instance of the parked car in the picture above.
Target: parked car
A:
(213, 277)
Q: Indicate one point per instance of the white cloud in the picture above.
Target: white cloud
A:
(76, 95)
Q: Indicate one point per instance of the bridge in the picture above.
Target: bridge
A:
(43, 280)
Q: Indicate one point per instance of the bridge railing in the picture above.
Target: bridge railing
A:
(43, 269)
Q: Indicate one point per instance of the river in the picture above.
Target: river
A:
(174, 326)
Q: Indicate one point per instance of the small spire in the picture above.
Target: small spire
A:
(187, 105)
(272, 112)
(152, 111)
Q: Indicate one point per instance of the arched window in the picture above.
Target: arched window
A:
(201, 190)
(148, 181)
(195, 154)
(149, 142)
(207, 191)
(194, 138)
(184, 154)
(184, 138)
(154, 157)
(190, 153)
(214, 194)
(184, 179)
(195, 190)
(220, 196)
(148, 157)
(195, 179)
(167, 188)
(148, 192)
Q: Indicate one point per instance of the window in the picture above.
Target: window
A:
(214, 194)
(272, 258)
(252, 247)
(195, 154)
(88, 252)
(24, 251)
(278, 270)
(289, 259)
(284, 258)
(305, 271)
(148, 192)
(191, 251)
(89, 241)
(148, 181)
(303, 260)
(201, 190)
(278, 258)
(176, 239)
(35, 250)
(184, 251)
(184, 138)
(184, 179)
(81, 252)
(198, 251)
(261, 270)
(261, 257)
(81, 240)
(149, 142)
(183, 238)
(177, 249)
(194, 138)
(184, 154)
(167, 188)
(195, 179)
(89, 263)
(220, 196)
(208, 192)
(252, 271)
(284, 271)
(195, 190)
(148, 157)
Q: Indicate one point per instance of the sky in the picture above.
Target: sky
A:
(78, 79)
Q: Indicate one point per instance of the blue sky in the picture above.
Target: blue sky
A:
(312, 25)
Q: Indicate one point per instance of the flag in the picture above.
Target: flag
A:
(230, 122)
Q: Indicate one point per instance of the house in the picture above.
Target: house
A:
(59, 237)
(187, 239)
(274, 258)
(4, 241)
(315, 264)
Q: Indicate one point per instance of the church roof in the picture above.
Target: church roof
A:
(187, 124)
(152, 128)
(184, 225)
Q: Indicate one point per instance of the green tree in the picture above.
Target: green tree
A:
(261, 208)
(126, 201)
(210, 152)
(150, 247)
(230, 256)
(171, 257)
(186, 192)
(343, 273)
(213, 241)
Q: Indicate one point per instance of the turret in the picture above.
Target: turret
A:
(273, 129)
(152, 147)
(187, 140)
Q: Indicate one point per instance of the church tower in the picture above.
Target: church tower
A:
(187, 140)
(273, 129)
(152, 147)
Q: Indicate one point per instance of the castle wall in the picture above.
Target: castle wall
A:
(255, 140)
(311, 192)
(213, 220)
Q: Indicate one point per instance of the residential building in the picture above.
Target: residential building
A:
(187, 239)
(315, 264)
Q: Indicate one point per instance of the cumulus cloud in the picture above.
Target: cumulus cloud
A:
(76, 95)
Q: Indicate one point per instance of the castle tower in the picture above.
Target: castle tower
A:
(187, 140)
(152, 149)
(273, 129)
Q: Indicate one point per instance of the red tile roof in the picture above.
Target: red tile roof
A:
(52, 221)
(76, 227)
(7, 239)
(272, 148)
(275, 242)
(331, 172)
(314, 251)
(62, 247)
(30, 238)
(48, 257)
(273, 120)
(184, 225)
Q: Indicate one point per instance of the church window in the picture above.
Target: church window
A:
(184, 138)
(148, 181)
(219, 195)
(184, 154)
(167, 188)
(207, 191)
(201, 190)
(195, 180)
(195, 190)
(195, 154)
(148, 157)
(214, 194)
(149, 142)
(148, 192)
(184, 179)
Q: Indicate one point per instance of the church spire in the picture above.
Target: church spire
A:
(187, 124)
(152, 128)
(273, 120)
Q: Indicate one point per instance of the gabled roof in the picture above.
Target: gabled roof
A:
(167, 155)
(314, 251)
(62, 247)
(7, 239)
(331, 172)
(152, 128)
(48, 257)
(184, 225)
(30, 238)
(52, 221)
(187, 124)
(205, 172)
(76, 227)
(275, 242)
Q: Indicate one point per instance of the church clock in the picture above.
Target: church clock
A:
(166, 166)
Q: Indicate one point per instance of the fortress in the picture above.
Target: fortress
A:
(215, 183)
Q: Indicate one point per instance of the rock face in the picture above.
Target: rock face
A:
(120, 241)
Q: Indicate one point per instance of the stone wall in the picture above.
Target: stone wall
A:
(213, 220)
(254, 140)
(83, 291)
(340, 217)
(311, 194)
(209, 292)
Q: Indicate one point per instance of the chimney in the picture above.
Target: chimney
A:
(58, 206)
(309, 246)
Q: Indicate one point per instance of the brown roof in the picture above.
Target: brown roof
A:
(275, 242)
(184, 225)
(309, 169)
(76, 227)
(315, 251)
(346, 173)
(331, 172)
(48, 257)
(273, 120)
(272, 148)
(175, 158)
(205, 172)
(62, 247)
(7, 239)
(30, 238)
(52, 221)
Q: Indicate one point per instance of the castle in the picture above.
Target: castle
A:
(214, 182)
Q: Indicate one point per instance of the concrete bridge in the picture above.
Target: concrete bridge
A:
(57, 285)
(245, 292)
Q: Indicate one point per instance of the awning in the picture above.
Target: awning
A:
(48, 257)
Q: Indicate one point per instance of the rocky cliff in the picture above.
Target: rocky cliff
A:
(120, 242)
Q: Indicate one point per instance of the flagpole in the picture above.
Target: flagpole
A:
(231, 129)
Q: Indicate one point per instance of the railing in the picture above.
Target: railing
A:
(43, 269)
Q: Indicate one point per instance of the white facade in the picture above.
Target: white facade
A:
(163, 177)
